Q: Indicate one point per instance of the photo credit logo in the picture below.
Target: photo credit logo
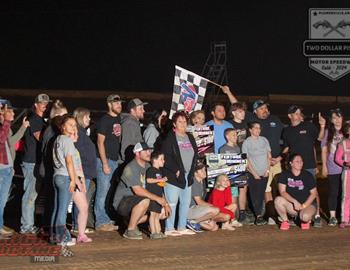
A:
(328, 46)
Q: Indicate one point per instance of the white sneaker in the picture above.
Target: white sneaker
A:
(186, 232)
(236, 223)
(68, 243)
(271, 221)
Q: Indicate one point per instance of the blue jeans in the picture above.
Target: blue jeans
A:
(29, 196)
(103, 182)
(59, 232)
(173, 194)
(5, 184)
(75, 208)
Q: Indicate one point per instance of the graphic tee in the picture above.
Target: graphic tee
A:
(298, 186)
(110, 127)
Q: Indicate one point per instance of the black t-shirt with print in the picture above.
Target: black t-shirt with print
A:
(154, 173)
(110, 127)
(271, 129)
(32, 147)
(242, 131)
(298, 186)
(301, 140)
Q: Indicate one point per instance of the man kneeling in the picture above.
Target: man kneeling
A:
(131, 198)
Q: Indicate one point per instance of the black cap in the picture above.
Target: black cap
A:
(293, 109)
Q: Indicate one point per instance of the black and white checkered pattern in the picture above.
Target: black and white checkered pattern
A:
(184, 76)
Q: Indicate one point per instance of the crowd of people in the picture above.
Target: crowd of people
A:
(155, 174)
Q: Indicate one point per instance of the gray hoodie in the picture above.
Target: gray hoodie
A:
(131, 132)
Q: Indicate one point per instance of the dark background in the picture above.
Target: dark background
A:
(134, 46)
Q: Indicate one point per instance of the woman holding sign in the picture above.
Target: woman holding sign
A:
(180, 151)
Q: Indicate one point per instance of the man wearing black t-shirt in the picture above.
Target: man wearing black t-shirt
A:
(31, 159)
(108, 146)
(271, 129)
(300, 137)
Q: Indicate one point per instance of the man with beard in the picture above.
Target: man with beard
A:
(132, 199)
(131, 130)
(300, 137)
(108, 146)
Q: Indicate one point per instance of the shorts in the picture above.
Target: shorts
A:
(127, 204)
(234, 191)
(274, 170)
(155, 207)
(157, 190)
(198, 211)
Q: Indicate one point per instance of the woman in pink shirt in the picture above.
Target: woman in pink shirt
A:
(342, 158)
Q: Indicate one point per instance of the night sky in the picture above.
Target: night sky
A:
(135, 46)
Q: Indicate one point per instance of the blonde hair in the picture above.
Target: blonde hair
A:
(79, 114)
(218, 181)
(57, 108)
(195, 113)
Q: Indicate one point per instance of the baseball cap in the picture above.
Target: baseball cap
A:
(5, 102)
(135, 102)
(141, 146)
(114, 98)
(293, 108)
(258, 103)
(42, 98)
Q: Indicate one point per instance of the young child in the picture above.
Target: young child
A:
(342, 157)
(221, 197)
(154, 184)
(231, 147)
(197, 118)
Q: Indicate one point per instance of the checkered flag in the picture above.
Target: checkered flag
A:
(189, 91)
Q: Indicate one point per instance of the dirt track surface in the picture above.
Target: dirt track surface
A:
(246, 248)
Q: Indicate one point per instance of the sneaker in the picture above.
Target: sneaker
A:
(260, 221)
(132, 235)
(32, 230)
(186, 232)
(271, 221)
(245, 219)
(285, 226)
(236, 223)
(107, 227)
(332, 222)
(195, 227)
(172, 233)
(83, 239)
(305, 225)
(227, 227)
(343, 225)
(157, 236)
(70, 243)
(317, 222)
(3, 231)
(87, 230)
